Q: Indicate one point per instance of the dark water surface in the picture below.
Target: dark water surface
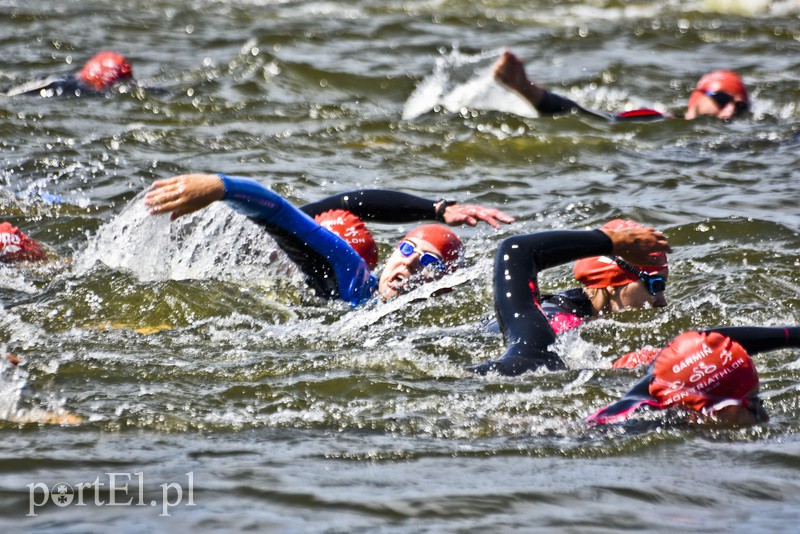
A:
(193, 347)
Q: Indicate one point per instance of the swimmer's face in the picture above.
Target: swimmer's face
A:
(405, 270)
(750, 412)
(721, 105)
(634, 295)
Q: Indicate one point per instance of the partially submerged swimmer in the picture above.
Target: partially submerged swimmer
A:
(530, 321)
(100, 74)
(425, 253)
(16, 247)
(708, 373)
(719, 93)
(331, 265)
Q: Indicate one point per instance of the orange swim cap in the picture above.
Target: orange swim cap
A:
(720, 80)
(104, 70)
(602, 271)
(443, 239)
(352, 229)
(701, 371)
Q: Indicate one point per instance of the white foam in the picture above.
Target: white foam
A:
(215, 242)
(461, 82)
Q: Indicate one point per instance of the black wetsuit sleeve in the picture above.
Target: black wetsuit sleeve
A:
(756, 339)
(56, 85)
(553, 104)
(525, 328)
(383, 205)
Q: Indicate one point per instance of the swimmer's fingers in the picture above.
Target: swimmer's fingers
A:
(184, 194)
(636, 245)
(472, 214)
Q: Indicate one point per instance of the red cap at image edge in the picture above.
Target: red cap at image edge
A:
(352, 229)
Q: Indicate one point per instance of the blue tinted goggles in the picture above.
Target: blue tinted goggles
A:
(426, 259)
(654, 283)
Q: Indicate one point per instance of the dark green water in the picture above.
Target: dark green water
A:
(298, 417)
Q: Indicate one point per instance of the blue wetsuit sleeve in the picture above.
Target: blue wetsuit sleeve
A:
(331, 266)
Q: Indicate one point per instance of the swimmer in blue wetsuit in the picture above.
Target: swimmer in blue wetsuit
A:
(105, 70)
(720, 93)
(707, 372)
(332, 267)
(622, 265)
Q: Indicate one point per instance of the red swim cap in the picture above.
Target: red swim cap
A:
(350, 228)
(701, 371)
(602, 271)
(443, 239)
(104, 70)
(720, 80)
(16, 246)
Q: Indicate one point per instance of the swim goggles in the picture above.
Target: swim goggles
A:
(654, 283)
(722, 99)
(426, 259)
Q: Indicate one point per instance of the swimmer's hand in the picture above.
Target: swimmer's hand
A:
(513, 364)
(635, 245)
(458, 214)
(184, 194)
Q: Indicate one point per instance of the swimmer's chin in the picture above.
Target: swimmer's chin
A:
(394, 290)
(399, 287)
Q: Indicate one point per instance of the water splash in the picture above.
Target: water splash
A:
(216, 242)
(12, 380)
(461, 82)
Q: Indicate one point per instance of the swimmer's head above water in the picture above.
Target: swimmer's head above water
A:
(426, 252)
(613, 284)
(104, 70)
(703, 373)
(720, 93)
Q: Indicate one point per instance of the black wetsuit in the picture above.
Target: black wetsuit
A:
(56, 85)
(528, 322)
(553, 104)
(754, 340)
(381, 205)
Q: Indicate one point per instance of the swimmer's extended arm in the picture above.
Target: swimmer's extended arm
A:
(331, 266)
(756, 339)
(518, 261)
(510, 71)
(525, 328)
(184, 194)
(385, 205)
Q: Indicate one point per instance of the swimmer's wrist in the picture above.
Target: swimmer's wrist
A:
(440, 207)
(225, 184)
